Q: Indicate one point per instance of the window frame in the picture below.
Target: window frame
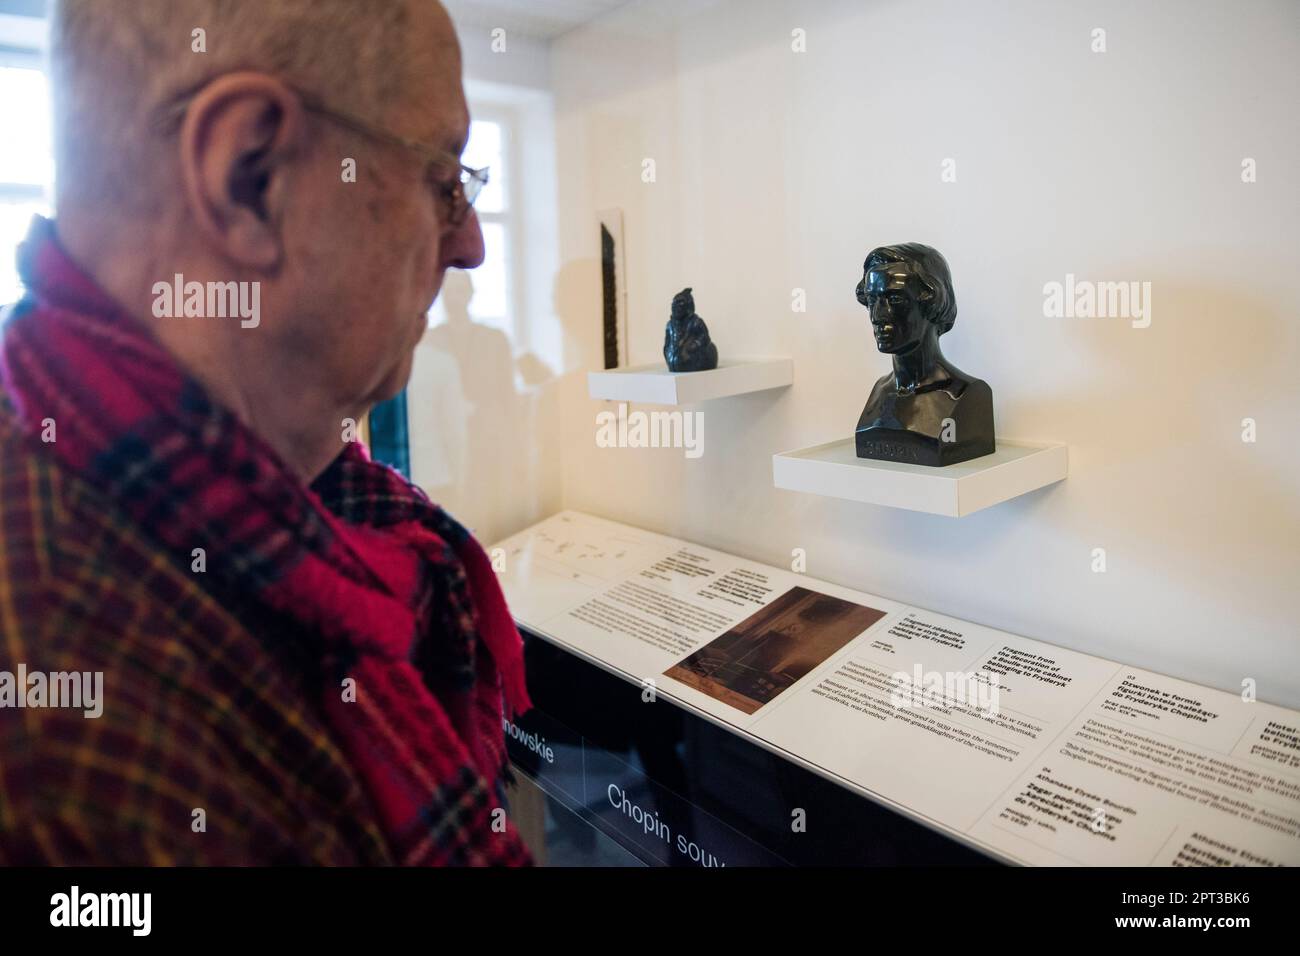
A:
(24, 35)
(509, 220)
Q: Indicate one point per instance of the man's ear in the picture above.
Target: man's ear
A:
(236, 142)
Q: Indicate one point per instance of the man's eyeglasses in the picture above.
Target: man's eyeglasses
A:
(458, 195)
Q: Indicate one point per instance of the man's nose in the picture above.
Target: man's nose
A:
(463, 247)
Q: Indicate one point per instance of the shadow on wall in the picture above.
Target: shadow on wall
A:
(475, 415)
(576, 298)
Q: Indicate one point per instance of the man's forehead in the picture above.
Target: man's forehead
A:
(448, 125)
(436, 109)
(434, 91)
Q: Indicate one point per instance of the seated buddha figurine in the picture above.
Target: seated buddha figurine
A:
(687, 347)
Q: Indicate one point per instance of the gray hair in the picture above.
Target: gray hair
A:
(114, 62)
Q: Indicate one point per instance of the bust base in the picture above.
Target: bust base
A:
(913, 448)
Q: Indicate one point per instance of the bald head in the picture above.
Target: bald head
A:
(308, 148)
(114, 62)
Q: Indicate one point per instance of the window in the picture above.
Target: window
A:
(27, 160)
(490, 304)
(493, 300)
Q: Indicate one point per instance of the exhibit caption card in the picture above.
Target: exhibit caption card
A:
(1031, 752)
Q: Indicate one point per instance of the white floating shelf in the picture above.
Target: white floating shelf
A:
(835, 470)
(655, 385)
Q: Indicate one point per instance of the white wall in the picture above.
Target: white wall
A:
(779, 170)
(521, 61)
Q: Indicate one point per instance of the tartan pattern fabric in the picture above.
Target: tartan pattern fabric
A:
(224, 688)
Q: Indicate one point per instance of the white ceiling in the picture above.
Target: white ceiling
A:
(539, 18)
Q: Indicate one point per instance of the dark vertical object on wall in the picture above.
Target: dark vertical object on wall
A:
(609, 293)
(389, 438)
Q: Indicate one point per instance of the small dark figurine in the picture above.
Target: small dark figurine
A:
(927, 411)
(687, 347)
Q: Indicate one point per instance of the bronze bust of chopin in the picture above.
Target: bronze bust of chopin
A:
(926, 411)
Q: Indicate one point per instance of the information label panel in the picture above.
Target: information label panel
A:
(1028, 751)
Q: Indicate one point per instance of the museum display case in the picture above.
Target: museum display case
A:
(697, 708)
(624, 784)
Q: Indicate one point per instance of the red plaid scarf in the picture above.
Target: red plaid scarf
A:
(388, 590)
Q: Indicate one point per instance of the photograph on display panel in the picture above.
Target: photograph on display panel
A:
(770, 650)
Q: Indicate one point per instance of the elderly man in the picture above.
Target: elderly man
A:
(303, 660)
